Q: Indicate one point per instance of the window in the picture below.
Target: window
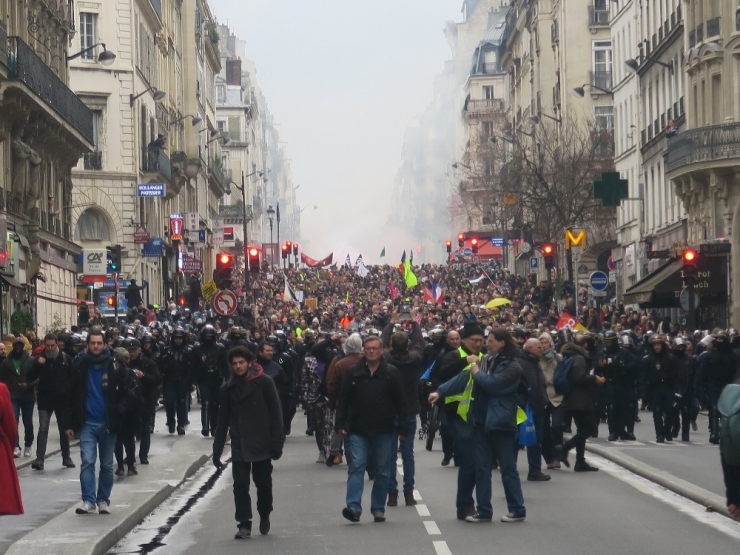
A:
(221, 92)
(488, 92)
(87, 34)
(602, 56)
(487, 128)
(604, 116)
(92, 226)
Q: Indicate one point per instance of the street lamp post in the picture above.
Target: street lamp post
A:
(270, 215)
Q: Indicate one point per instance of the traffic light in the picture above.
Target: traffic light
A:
(253, 253)
(448, 244)
(295, 249)
(690, 271)
(182, 301)
(111, 301)
(223, 274)
(548, 252)
(285, 249)
(474, 245)
(461, 240)
(114, 259)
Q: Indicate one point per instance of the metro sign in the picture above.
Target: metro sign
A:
(577, 240)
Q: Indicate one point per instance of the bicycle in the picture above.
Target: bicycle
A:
(433, 424)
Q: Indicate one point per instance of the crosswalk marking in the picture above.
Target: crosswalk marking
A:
(432, 528)
(441, 548)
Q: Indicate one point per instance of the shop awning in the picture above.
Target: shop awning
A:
(662, 288)
(11, 281)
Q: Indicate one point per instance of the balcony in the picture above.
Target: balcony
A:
(602, 79)
(598, 18)
(712, 145)
(699, 33)
(28, 68)
(3, 44)
(713, 27)
(486, 106)
(93, 160)
(217, 181)
(156, 167)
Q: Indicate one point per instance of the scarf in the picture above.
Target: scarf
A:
(254, 372)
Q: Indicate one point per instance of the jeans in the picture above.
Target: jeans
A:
(262, 475)
(489, 447)
(25, 409)
(552, 432)
(42, 439)
(534, 452)
(585, 421)
(378, 449)
(407, 455)
(462, 433)
(94, 438)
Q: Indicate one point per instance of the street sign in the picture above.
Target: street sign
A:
(612, 277)
(176, 227)
(150, 189)
(683, 298)
(497, 241)
(611, 265)
(467, 252)
(95, 262)
(475, 259)
(525, 247)
(598, 293)
(534, 263)
(598, 281)
(141, 236)
(224, 303)
(208, 290)
(153, 248)
(575, 240)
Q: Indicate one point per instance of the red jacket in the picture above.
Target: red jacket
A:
(11, 502)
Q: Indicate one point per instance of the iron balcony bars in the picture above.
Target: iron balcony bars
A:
(704, 144)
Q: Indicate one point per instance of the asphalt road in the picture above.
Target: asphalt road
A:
(609, 512)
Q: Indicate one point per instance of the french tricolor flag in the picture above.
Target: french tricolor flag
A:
(438, 293)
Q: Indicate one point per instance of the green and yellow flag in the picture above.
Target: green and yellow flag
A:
(409, 275)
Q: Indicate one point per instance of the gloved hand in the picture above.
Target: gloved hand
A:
(275, 454)
(217, 463)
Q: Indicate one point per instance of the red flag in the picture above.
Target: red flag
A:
(311, 263)
(428, 297)
(393, 290)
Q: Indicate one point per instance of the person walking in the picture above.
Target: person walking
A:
(371, 405)
(492, 415)
(250, 412)
(99, 397)
(534, 380)
(177, 377)
(146, 371)
(211, 370)
(11, 501)
(553, 422)
(14, 370)
(53, 371)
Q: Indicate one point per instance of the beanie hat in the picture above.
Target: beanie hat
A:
(470, 329)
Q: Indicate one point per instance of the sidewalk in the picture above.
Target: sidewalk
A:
(52, 445)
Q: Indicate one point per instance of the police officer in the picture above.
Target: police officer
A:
(431, 353)
(618, 366)
(717, 369)
(661, 376)
(211, 370)
(150, 379)
(287, 359)
(686, 407)
(177, 375)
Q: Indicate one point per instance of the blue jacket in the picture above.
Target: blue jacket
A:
(496, 382)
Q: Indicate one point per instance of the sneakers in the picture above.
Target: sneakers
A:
(392, 499)
(265, 525)
(67, 462)
(465, 513)
(513, 518)
(351, 515)
(204, 432)
(86, 509)
(668, 438)
(538, 477)
(476, 518)
(38, 464)
(322, 459)
(583, 466)
(103, 508)
(27, 452)
(378, 516)
(17, 453)
(630, 437)
(132, 471)
(243, 533)
(446, 461)
(409, 498)
(555, 465)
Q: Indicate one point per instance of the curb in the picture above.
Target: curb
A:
(712, 501)
(30, 461)
(105, 543)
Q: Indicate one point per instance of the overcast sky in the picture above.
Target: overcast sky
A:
(344, 78)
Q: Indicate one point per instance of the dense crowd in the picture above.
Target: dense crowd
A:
(369, 360)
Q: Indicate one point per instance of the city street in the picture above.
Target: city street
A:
(607, 511)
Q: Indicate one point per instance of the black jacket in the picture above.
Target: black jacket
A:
(149, 381)
(369, 403)
(13, 379)
(209, 360)
(661, 371)
(276, 372)
(408, 364)
(252, 414)
(176, 364)
(533, 380)
(581, 396)
(117, 385)
(54, 380)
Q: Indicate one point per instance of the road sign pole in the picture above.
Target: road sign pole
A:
(691, 318)
(115, 305)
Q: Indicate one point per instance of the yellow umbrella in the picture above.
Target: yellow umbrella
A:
(495, 303)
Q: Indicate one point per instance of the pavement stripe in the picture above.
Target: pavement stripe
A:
(432, 528)
(423, 510)
(417, 495)
(441, 548)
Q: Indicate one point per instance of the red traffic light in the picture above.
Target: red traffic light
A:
(460, 236)
(225, 259)
(448, 243)
(284, 246)
(547, 249)
(689, 256)
(474, 242)
(111, 301)
(253, 251)
(182, 301)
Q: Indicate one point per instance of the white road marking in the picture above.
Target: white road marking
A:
(432, 528)
(423, 510)
(417, 495)
(715, 520)
(441, 548)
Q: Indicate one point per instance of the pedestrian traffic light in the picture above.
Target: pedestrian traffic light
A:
(295, 249)
(253, 254)
(548, 252)
(284, 248)
(223, 274)
(114, 259)
(461, 240)
(474, 245)
(689, 273)
(182, 301)
(448, 244)
(111, 301)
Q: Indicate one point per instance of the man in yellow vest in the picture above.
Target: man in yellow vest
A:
(456, 409)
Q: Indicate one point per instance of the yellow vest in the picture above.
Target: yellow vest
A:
(466, 396)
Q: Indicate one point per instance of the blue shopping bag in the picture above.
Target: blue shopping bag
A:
(527, 431)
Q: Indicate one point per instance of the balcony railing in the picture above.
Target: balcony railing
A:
(486, 105)
(156, 162)
(704, 144)
(598, 18)
(713, 27)
(28, 68)
(3, 44)
(700, 33)
(93, 160)
(218, 175)
(602, 79)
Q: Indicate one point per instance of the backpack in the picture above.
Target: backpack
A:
(560, 380)
(729, 424)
